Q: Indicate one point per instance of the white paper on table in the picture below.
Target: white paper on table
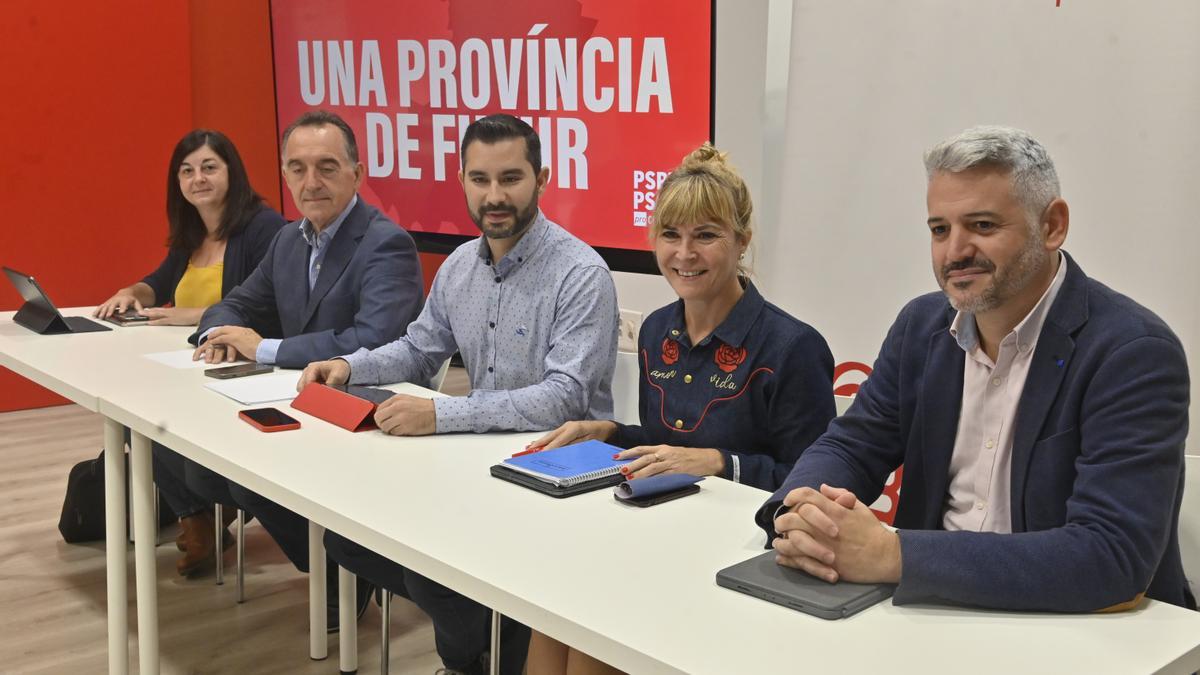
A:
(183, 359)
(277, 386)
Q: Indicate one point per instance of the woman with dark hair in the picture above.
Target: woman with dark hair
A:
(219, 231)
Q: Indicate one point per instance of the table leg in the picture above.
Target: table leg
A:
(241, 556)
(318, 641)
(494, 656)
(348, 622)
(385, 633)
(143, 554)
(115, 552)
(128, 511)
(219, 534)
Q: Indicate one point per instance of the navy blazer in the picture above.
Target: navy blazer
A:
(243, 251)
(1097, 458)
(368, 291)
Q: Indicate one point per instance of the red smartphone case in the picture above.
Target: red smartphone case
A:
(336, 407)
(280, 427)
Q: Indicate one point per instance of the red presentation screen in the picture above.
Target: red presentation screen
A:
(618, 90)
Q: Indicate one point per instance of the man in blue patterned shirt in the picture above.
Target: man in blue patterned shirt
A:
(533, 311)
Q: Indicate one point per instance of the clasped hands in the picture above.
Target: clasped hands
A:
(400, 415)
(832, 535)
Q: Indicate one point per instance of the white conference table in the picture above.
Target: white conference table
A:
(82, 368)
(634, 587)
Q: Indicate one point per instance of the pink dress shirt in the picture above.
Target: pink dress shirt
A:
(978, 496)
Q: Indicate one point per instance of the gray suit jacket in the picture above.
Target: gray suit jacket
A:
(368, 291)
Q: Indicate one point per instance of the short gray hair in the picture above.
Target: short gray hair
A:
(319, 118)
(1035, 182)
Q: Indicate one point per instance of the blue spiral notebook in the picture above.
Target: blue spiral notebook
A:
(570, 464)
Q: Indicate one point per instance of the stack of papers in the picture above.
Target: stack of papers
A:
(277, 386)
(183, 359)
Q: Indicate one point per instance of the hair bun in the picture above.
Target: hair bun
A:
(705, 154)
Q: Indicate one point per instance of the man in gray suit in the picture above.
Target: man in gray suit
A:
(342, 278)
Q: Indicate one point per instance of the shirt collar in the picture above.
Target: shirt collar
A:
(524, 249)
(318, 240)
(734, 328)
(965, 331)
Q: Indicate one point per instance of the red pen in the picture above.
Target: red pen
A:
(530, 450)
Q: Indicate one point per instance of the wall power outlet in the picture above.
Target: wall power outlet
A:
(631, 323)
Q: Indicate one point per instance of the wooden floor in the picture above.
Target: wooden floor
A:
(52, 594)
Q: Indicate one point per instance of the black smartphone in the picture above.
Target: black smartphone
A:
(269, 419)
(372, 394)
(129, 317)
(240, 370)
(651, 500)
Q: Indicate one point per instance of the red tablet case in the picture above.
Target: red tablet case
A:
(336, 407)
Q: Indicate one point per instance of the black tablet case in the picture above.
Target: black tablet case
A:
(504, 473)
(40, 315)
(764, 578)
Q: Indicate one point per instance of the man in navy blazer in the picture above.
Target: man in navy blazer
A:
(1040, 418)
(343, 278)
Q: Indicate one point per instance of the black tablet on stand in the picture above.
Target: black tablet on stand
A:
(40, 315)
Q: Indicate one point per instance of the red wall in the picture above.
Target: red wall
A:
(98, 94)
(233, 90)
(233, 83)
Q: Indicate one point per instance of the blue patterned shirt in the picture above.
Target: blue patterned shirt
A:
(759, 388)
(537, 332)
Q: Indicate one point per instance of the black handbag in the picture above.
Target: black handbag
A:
(82, 518)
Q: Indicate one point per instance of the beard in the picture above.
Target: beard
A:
(1028, 263)
(521, 220)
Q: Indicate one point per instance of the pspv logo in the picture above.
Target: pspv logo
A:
(645, 191)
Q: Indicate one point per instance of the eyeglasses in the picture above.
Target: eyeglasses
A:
(210, 169)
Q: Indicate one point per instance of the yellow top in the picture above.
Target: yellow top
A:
(200, 286)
